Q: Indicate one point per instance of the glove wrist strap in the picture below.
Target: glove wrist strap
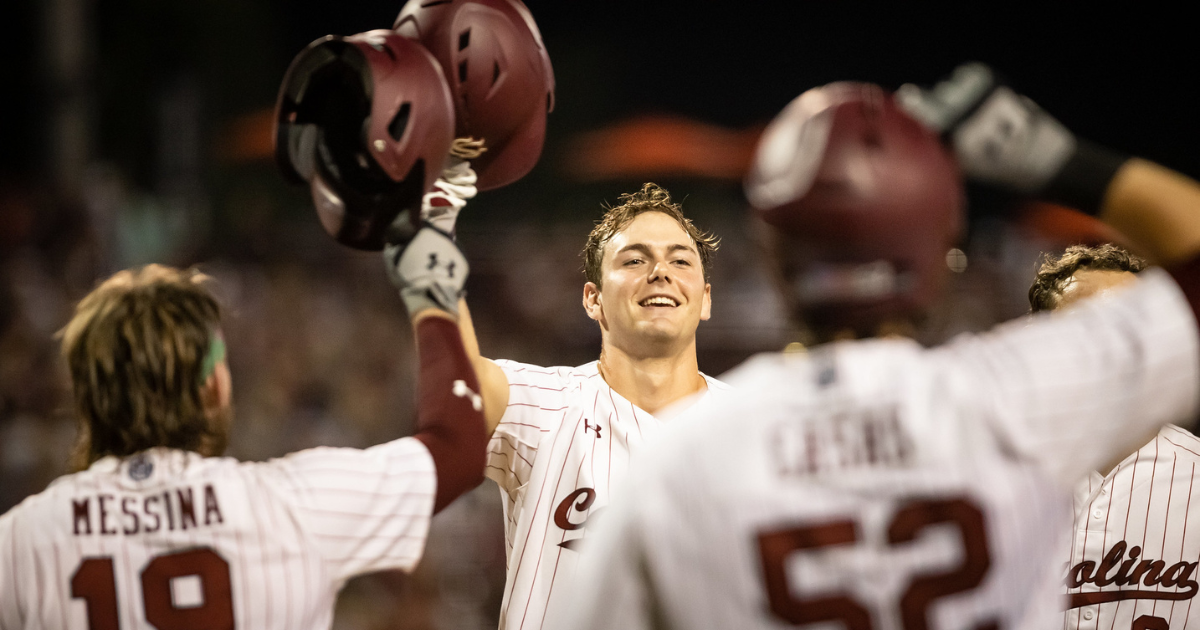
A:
(1084, 179)
(417, 299)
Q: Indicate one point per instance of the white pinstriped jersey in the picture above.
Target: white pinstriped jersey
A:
(171, 539)
(1136, 541)
(882, 485)
(564, 441)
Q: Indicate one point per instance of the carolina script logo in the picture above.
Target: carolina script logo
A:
(579, 501)
(1129, 572)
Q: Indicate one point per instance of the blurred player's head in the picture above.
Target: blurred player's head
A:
(147, 365)
(860, 205)
(647, 273)
(1081, 272)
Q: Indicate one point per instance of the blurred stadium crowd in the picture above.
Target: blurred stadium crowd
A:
(322, 353)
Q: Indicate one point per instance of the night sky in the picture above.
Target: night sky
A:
(1114, 76)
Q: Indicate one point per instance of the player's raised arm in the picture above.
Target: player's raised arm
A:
(493, 382)
(1003, 138)
(499, 125)
(440, 208)
(430, 272)
(1157, 208)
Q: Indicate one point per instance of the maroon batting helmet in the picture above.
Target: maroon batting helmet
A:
(367, 121)
(499, 73)
(864, 203)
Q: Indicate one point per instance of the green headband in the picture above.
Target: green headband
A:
(216, 354)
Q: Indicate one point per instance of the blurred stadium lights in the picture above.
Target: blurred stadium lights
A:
(1062, 226)
(661, 146)
(248, 137)
(640, 147)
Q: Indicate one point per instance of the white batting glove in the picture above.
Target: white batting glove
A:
(456, 185)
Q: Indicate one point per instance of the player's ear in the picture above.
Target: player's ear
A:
(706, 304)
(217, 391)
(591, 301)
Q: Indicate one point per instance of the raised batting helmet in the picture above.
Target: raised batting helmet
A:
(367, 121)
(864, 203)
(499, 73)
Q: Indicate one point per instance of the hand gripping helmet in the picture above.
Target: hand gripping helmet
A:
(367, 122)
(499, 73)
(863, 204)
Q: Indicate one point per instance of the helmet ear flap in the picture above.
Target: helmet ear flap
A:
(301, 150)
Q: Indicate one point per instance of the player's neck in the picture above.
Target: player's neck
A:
(652, 382)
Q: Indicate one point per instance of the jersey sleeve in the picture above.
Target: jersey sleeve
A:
(8, 602)
(536, 401)
(363, 510)
(1074, 389)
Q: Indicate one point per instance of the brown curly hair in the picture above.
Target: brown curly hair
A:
(135, 348)
(651, 198)
(1053, 275)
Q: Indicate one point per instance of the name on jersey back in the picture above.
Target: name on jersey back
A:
(110, 514)
(834, 442)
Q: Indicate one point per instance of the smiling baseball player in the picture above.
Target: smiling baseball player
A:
(563, 436)
(879, 484)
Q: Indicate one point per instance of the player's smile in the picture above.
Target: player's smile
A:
(653, 283)
(659, 301)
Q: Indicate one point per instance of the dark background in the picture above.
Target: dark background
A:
(1115, 75)
(123, 141)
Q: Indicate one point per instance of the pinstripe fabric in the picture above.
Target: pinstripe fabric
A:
(1137, 516)
(292, 531)
(811, 443)
(565, 439)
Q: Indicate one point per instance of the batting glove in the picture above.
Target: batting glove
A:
(441, 205)
(1005, 139)
(429, 270)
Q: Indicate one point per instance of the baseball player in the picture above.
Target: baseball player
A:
(562, 437)
(159, 531)
(1132, 561)
(875, 483)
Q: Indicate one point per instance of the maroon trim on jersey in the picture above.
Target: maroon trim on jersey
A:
(448, 423)
(1187, 276)
(1103, 597)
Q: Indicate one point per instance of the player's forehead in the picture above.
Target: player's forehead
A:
(1085, 283)
(656, 231)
